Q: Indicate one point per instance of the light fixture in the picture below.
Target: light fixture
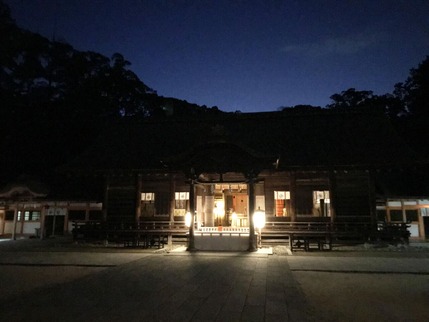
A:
(188, 219)
(259, 223)
(259, 219)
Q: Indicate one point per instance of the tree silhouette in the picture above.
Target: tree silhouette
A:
(414, 92)
(350, 98)
(57, 100)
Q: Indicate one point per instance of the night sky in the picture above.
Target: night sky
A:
(245, 55)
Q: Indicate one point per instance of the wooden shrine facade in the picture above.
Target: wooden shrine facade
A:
(320, 167)
(223, 200)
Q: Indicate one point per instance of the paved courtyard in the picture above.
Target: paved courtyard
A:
(46, 282)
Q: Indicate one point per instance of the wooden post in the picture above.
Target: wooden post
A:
(372, 199)
(191, 246)
(106, 198)
(15, 219)
(292, 188)
(332, 194)
(209, 205)
(44, 210)
(252, 241)
(138, 198)
(172, 197)
(53, 220)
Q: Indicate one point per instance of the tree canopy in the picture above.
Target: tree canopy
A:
(56, 99)
(408, 99)
(407, 106)
(414, 92)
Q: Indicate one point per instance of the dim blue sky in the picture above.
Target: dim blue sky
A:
(245, 55)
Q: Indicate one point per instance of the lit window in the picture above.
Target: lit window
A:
(31, 215)
(181, 203)
(321, 203)
(182, 196)
(282, 203)
(147, 197)
(148, 204)
(35, 216)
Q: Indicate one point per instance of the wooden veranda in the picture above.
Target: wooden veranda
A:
(298, 235)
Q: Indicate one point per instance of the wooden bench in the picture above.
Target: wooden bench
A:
(322, 239)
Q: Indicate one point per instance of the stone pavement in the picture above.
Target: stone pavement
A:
(75, 284)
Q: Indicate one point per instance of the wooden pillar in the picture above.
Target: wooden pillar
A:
(172, 206)
(172, 196)
(292, 188)
(372, 199)
(252, 239)
(199, 192)
(332, 194)
(2, 221)
(208, 206)
(191, 246)
(138, 197)
(106, 198)
(422, 234)
(15, 219)
(43, 214)
(54, 219)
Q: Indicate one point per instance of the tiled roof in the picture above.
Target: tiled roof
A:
(308, 139)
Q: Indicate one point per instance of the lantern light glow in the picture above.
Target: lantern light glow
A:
(188, 219)
(259, 219)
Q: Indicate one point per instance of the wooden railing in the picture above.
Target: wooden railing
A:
(312, 230)
(338, 232)
(224, 229)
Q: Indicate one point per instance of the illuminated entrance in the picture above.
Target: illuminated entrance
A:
(231, 205)
(223, 218)
(222, 177)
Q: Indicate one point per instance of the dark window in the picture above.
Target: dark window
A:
(95, 215)
(304, 201)
(412, 215)
(381, 215)
(148, 209)
(157, 205)
(9, 215)
(76, 214)
(162, 203)
(396, 215)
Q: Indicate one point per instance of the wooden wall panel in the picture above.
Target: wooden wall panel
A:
(352, 196)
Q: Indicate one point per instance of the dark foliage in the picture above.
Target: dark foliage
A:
(55, 100)
(407, 106)
(414, 92)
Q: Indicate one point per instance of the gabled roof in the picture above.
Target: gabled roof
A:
(290, 139)
(24, 188)
(53, 188)
(219, 156)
